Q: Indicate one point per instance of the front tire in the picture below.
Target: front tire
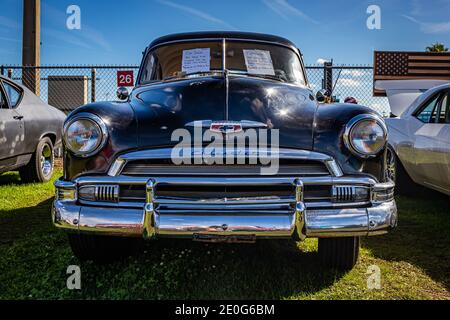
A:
(40, 167)
(339, 253)
(103, 249)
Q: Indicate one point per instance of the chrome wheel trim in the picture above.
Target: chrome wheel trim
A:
(46, 160)
(391, 170)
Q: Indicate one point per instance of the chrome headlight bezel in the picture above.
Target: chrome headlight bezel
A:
(353, 123)
(96, 121)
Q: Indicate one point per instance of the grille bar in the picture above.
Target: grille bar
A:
(142, 169)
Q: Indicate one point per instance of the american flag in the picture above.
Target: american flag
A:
(392, 65)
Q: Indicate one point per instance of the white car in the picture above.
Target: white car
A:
(419, 134)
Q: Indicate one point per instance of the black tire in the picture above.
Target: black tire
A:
(103, 249)
(339, 253)
(395, 171)
(40, 167)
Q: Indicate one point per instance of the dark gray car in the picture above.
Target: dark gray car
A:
(30, 131)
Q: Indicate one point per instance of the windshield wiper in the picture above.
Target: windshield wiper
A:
(267, 76)
(182, 75)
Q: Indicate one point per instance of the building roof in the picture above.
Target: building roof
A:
(220, 35)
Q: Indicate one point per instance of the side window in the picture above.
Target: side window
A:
(3, 102)
(444, 111)
(13, 94)
(429, 111)
(149, 70)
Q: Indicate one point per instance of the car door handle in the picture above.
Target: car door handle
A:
(18, 117)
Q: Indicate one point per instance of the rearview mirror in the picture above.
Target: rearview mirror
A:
(122, 93)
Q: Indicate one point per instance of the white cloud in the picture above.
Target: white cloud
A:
(8, 23)
(321, 61)
(416, 7)
(353, 73)
(9, 39)
(345, 82)
(430, 27)
(6, 52)
(195, 12)
(86, 37)
(65, 37)
(284, 9)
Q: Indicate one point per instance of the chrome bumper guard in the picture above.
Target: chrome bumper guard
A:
(269, 218)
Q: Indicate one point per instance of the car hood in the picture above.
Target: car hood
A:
(162, 108)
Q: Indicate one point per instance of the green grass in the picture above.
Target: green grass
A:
(414, 260)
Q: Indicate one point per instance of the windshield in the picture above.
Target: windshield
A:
(205, 57)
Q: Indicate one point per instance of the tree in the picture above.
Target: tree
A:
(437, 47)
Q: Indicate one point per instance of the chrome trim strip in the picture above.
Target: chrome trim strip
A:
(224, 181)
(231, 202)
(116, 167)
(334, 168)
(176, 204)
(282, 153)
(224, 206)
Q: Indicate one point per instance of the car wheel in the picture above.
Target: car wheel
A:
(391, 165)
(103, 249)
(339, 253)
(40, 167)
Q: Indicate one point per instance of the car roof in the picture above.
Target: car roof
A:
(221, 35)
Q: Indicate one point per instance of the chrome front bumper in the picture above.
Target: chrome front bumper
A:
(259, 219)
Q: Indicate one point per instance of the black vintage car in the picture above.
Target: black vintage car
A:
(30, 131)
(222, 140)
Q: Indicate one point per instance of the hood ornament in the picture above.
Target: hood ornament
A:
(225, 126)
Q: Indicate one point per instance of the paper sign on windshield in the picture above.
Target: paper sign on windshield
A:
(196, 60)
(259, 62)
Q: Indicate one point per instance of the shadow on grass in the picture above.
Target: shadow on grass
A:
(21, 223)
(422, 237)
(10, 178)
(265, 270)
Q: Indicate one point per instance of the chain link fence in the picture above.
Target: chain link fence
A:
(67, 87)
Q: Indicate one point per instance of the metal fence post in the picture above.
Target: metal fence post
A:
(2, 70)
(328, 76)
(10, 73)
(93, 83)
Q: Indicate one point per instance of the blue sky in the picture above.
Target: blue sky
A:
(116, 31)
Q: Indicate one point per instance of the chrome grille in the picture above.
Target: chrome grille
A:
(287, 167)
(136, 193)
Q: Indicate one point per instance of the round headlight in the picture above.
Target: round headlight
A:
(85, 134)
(365, 135)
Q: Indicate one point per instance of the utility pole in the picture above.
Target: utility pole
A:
(31, 45)
(328, 76)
